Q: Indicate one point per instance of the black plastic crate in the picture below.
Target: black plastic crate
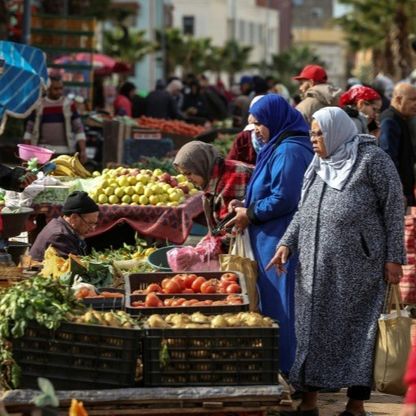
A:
(106, 304)
(139, 281)
(79, 356)
(207, 309)
(216, 356)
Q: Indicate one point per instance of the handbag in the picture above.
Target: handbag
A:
(240, 258)
(393, 346)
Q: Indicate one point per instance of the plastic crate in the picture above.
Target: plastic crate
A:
(78, 356)
(139, 281)
(215, 356)
(106, 304)
(208, 309)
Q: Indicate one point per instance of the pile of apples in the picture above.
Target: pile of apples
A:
(128, 186)
(191, 283)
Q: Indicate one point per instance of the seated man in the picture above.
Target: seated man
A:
(66, 234)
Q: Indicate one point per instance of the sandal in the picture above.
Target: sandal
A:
(299, 412)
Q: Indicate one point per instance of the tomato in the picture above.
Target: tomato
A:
(234, 288)
(165, 281)
(229, 277)
(178, 302)
(153, 287)
(152, 301)
(138, 304)
(222, 286)
(179, 282)
(208, 287)
(187, 290)
(168, 301)
(189, 279)
(193, 301)
(196, 285)
(172, 287)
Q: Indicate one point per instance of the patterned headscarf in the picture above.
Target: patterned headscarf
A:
(356, 93)
(198, 158)
(341, 140)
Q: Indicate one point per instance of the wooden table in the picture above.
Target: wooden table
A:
(224, 400)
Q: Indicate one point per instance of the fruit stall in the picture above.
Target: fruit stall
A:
(152, 202)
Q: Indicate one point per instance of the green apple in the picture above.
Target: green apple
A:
(132, 180)
(134, 203)
(193, 191)
(154, 199)
(143, 200)
(109, 191)
(135, 198)
(157, 172)
(180, 178)
(102, 199)
(139, 189)
(156, 189)
(119, 192)
(129, 190)
(148, 191)
(174, 197)
(113, 199)
(122, 181)
(126, 199)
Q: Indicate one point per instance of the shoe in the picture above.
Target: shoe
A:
(299, 412)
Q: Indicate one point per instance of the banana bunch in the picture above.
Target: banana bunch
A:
(70, 166)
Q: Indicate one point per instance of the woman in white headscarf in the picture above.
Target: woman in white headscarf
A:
(348, 234)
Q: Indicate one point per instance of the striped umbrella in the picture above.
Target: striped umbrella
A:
(23, 76)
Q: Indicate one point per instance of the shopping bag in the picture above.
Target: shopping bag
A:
(393, 346)
(241, 259)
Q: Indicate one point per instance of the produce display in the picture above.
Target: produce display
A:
(154, 301)
(117, 319)
(141, 187)
(171, 126)
(44, 300)
(87, 293)
(70, 166)
(224, 142)
(199, 320)
(192, 283)
(165, 164)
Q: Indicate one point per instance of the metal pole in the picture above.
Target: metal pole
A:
(163, 42)
(26, 22)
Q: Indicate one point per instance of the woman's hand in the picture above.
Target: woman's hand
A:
(279, 259)
(408, 410)
(393, 272)
(27, 179)
(240, 221)
(234, 204)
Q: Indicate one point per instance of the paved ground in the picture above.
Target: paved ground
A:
(331, 404)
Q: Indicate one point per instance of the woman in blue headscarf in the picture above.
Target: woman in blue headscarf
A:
(271, 199)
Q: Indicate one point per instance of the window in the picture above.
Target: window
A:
(188, 23)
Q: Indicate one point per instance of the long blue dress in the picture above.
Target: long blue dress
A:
(272, 197)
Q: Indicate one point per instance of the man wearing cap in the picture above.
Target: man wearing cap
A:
(66, 234)
(315, 91)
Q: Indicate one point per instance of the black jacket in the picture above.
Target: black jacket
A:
(9, 178)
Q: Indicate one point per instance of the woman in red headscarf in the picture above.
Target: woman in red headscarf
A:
(363, 105)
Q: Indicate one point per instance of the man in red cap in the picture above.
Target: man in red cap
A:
(315, 91)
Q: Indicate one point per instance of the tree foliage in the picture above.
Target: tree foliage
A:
(383, 26)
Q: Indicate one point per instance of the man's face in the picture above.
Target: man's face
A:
(407, 103)
(56, 90)
(83, 224)
(304, 85)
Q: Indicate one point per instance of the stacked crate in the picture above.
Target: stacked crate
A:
(408, 282)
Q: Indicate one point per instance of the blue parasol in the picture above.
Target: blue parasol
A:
(23, 75)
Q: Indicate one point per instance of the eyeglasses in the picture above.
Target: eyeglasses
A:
(314, 133)
(89, 224)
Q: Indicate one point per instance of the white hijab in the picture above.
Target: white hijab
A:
(341, 140)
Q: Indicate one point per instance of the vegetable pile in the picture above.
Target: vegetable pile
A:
(171, 126)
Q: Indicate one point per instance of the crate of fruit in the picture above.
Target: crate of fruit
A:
(211, 356)
(196, 283)
(148, 304)
(79, 356)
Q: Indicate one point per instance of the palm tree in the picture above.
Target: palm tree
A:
(237, 58)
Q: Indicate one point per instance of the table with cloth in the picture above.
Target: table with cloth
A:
(159, 222)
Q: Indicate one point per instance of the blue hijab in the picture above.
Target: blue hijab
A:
(274, 112)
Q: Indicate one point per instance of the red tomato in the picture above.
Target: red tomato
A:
(179, 282)
(152, 301)
(165, 281)
(196, 285)
(229, 277)
(168, 302)
(234, 288)
(153, 287)
(178, 302)
(189, 279)
(187, 290)
(138, 304)
(208, 287)
(173, 287)
(222, 286)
